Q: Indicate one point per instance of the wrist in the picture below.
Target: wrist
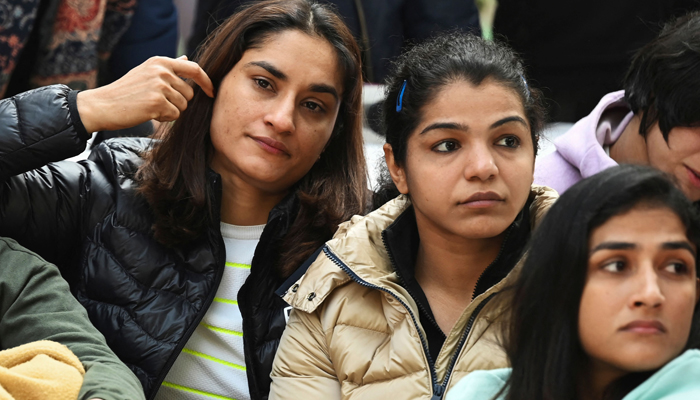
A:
(87, 111)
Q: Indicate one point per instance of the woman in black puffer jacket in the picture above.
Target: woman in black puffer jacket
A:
(136, 228)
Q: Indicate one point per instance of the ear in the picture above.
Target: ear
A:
(398, 174)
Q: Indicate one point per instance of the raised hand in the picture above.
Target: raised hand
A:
(154, 90)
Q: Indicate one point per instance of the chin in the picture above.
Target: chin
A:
(642, 361)
(483, 228)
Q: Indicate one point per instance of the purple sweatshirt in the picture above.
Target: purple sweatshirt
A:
(581, 151)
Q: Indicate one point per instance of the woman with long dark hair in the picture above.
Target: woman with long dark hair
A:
(606, 306)
(400, 304)
(175, 246)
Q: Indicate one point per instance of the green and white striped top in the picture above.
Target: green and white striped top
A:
(212, 364)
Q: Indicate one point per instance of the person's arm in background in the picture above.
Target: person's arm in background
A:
(36, 304)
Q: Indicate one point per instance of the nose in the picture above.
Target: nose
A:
(481, 164)
(281, 115)
(648, 292)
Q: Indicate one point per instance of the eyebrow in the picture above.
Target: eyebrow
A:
(613, 246)
(269, 68)
(323, 88)
(316, 87)
(506, 120)
(465, 128)
(445, 125)
(679, 245)
(630, 246)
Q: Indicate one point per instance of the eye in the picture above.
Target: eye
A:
(509, 141)
(264, 84)
(315, 107)
(446, 146)
(676, 267)
(614, 266)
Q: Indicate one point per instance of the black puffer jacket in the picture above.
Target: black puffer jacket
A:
(86, 218)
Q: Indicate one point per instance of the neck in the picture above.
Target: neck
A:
(448, 268)
(631, 147)
(596, 380)
(245, 205)
(452, 265)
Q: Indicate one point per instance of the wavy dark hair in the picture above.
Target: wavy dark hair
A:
(173, 177)
(541, 338)
(663, 81)
(429, 66)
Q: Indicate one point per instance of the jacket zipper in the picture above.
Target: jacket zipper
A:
(356, 278)
(419, 304)
(210, 299)
(438, 389)
(463, 339)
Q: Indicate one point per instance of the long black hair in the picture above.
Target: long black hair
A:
(541, 339)
(428, 67)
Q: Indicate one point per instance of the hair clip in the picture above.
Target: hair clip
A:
(399, 100)
(526, 85)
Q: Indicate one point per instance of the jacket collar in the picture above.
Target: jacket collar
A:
(358, 244)
(401, 240)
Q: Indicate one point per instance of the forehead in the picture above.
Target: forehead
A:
(642, 224)
(301, 57)
(476, 106)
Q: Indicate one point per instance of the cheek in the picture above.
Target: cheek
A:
(518, 174)
(595, 319)
(429, 181)
(681, 305)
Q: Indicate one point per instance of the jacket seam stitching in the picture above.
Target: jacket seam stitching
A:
(136, 281)
(387, 379)
(32, 145)
(20, 123)
(123, 310)
(358, 327)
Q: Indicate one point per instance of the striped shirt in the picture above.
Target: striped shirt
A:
(212, 364)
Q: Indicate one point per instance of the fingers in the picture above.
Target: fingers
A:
(182, 87)
(169, 111)
(189, 69)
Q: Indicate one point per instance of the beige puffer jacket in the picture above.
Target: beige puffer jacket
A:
(355, 334)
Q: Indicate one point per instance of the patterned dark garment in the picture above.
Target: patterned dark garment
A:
(16, 23)
(72, 39)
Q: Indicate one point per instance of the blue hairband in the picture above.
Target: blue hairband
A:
(399, 100)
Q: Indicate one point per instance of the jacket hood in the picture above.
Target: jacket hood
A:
(582, 145)
(358, 243)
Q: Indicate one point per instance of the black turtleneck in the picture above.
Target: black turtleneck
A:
(401, 239)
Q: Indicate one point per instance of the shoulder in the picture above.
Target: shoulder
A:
(10, 251)
(121, 156)
(671, 382)
(480, 385)
(19, 265)
(544, 198)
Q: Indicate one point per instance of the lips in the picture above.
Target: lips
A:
(271, 145)
(644, 327)
(694, 176)
(483, 199)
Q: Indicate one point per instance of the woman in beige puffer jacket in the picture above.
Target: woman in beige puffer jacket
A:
(405, 301)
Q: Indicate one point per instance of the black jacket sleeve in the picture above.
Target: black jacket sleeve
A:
(42, 203)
